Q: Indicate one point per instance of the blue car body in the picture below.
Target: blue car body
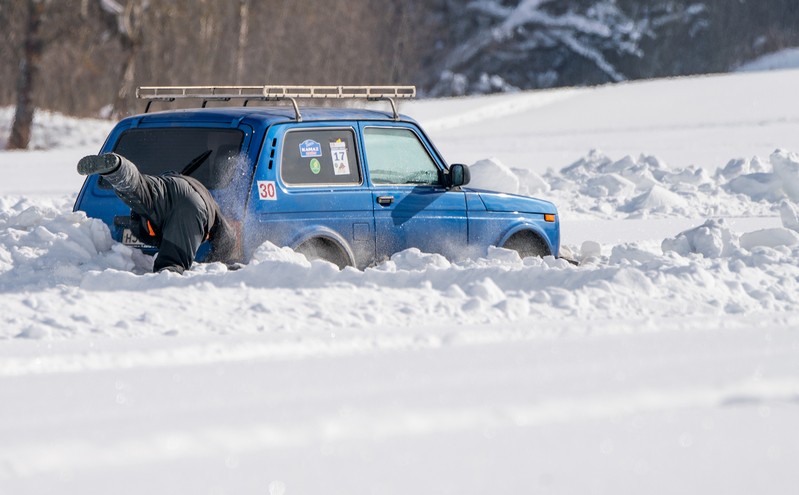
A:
(341, 184)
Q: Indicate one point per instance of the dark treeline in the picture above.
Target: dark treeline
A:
(84, 57)
(88, 53)
(497, 45)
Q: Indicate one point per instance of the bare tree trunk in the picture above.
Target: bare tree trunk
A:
(28, 72)
(277, 36)
(398, 50)
(244, 28)
(129, 25)
(130, 49)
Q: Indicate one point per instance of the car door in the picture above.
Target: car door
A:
(309, 185)
(412, 208)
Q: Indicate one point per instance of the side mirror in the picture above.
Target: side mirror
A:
(459, 175)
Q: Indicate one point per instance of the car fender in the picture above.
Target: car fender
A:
(522, 226)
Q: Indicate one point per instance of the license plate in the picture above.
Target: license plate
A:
(131, 240)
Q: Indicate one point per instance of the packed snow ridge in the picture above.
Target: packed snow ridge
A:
(646, 187)
(48, 254)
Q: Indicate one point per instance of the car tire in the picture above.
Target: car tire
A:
(323, 249)
(527, 244)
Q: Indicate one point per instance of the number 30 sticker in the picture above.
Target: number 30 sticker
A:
(267, 190)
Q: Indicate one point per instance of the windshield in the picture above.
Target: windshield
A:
(160, 150)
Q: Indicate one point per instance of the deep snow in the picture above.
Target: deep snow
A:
(667, 361)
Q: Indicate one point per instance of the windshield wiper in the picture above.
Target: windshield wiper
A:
(196, 162)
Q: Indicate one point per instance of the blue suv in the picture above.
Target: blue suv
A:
(350, 186)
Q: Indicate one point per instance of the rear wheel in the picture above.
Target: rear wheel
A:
(527, 244)
(323, 249)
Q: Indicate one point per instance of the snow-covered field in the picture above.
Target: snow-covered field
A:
(666, 362)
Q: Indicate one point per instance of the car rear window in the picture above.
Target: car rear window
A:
(160, 150)
(320, 157)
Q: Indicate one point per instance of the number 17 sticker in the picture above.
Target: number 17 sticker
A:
(341, 165)
(267, 190)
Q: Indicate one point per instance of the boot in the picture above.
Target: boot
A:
(98, 164)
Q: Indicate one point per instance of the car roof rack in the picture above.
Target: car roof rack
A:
(275, 93)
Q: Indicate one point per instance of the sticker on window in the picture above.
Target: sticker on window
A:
(341, 165)
(316, 166)
(267, 190)
(310, 148)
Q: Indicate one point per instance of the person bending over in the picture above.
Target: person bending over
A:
(174, 212)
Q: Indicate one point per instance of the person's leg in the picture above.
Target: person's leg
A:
(184, 228)
(144, 194)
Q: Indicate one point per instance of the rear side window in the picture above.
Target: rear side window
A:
(156, 151)
(313, 157)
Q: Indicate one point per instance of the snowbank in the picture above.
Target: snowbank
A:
(598, 186)
(47, 255)
(42, 247)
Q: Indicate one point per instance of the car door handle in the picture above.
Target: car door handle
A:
(385, 200)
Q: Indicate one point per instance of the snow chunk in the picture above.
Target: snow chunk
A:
(769, 238)
(609, 185)
(631, 254)
(413, 259)
(712, 240)
(739, 166)
(590, 249)
(503, 255)
(530, 183)
(758, 186)
(782, 182)
(789, 216)
(493, 175)
(658, 200)
(268, 252)
(588, 166)
(786, 169)
(486, 290)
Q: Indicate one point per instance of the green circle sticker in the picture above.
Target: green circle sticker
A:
(316, 167)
